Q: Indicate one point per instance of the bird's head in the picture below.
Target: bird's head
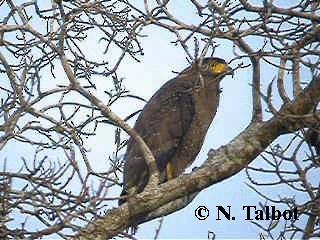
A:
(215, 67)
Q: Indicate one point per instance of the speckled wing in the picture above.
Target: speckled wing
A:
(162, 124)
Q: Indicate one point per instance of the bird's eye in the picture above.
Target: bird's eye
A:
(217, 67)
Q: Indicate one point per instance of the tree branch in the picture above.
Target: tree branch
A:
(220, 164)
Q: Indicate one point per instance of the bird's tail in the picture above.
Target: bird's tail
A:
(132, 229)
(122, 198)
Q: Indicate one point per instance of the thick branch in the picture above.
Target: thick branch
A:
(221, 164)
(256, 98)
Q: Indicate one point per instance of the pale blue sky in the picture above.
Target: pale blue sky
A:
(161, 58)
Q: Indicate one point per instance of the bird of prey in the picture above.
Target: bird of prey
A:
(174, 123)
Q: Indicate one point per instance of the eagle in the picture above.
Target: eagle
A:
(174, 123)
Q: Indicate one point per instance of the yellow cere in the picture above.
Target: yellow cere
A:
(217, 67)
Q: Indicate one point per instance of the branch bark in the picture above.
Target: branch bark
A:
(220, 164)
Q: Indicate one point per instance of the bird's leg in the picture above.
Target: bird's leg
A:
(169, 171)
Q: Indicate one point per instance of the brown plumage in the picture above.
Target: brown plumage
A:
(174, 123)
(312, 137)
